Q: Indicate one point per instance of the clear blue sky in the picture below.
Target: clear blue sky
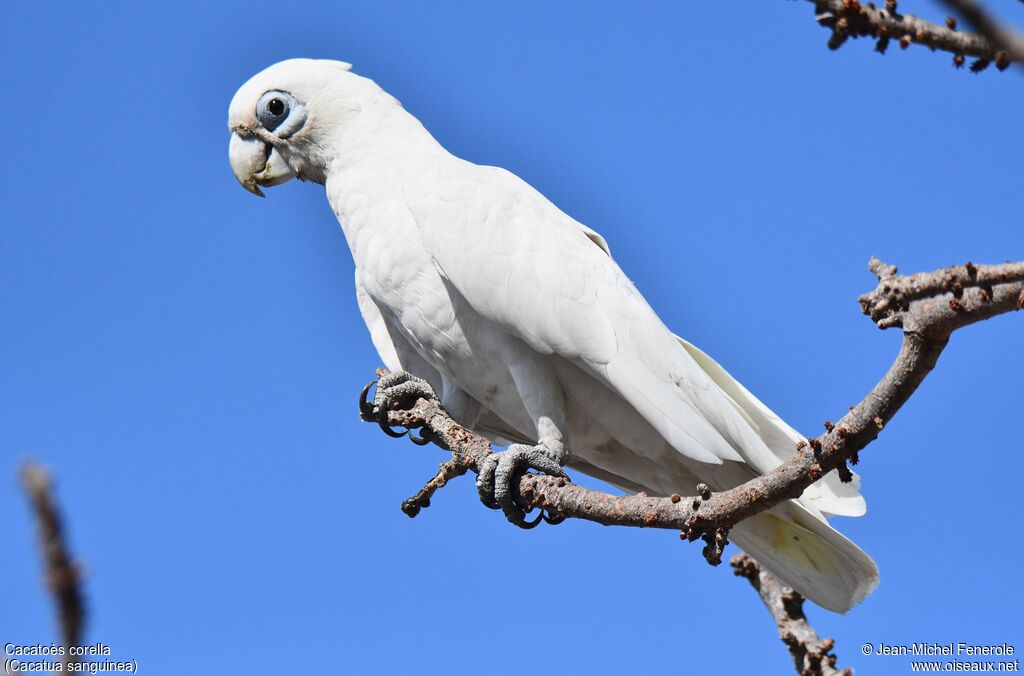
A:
(186, 358)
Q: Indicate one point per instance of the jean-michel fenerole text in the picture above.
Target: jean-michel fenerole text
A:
(960, 648)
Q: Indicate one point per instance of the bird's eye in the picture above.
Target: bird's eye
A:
(273, 109)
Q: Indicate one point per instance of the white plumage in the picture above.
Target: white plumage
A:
(521, 320)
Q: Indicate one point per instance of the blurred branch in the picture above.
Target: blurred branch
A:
(853, 19)
(812, 656)
(1001, 37)
(61, 572)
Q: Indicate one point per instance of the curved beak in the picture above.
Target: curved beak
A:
(256, 163)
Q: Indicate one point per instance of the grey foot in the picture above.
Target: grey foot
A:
(393, 390)
(499, 476)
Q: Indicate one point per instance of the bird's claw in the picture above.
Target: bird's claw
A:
(551, 517)
(545, 516)
(389, 430)
(422, 440)
(499, 476)
(392, 390)
(367, 412)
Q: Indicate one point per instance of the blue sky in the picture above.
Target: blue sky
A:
(186, 358)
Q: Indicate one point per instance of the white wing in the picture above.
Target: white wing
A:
(523, 264)
(398, 355)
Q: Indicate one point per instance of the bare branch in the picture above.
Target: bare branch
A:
(929, 307)
(1002, 38)
(885, 303)
(811, 655)
(61, 571)
(852, 19)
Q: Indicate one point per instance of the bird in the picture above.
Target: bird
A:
(480, 292)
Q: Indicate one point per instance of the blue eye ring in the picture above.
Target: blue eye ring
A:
(279, 112)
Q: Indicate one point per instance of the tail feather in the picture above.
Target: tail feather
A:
(809, 555)
(829, 495)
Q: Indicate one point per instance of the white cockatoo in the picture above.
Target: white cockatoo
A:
(475, 286)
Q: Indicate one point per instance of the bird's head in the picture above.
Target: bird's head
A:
(283, 120)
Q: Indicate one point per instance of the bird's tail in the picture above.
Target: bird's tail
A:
(809, 555)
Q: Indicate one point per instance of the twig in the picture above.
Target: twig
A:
(61, 572)
(852, 19)
(812, 656)
(1002, 38)
(886, 303)
(468, 449)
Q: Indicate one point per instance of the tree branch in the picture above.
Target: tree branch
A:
(812, 656)
(61, 572)
(852, 19)
(1002, 38)
(928, 306)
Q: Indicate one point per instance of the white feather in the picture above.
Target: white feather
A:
(472, 279)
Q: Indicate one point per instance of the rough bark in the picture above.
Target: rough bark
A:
(812, 656)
